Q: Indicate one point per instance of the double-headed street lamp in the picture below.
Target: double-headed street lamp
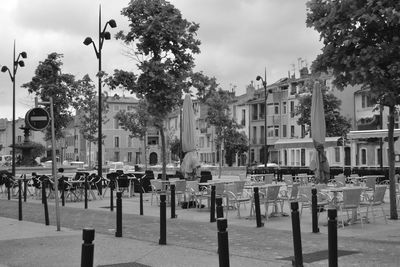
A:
(16, 63)
(103, 35)
(264, 82)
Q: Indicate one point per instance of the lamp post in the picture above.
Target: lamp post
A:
(16, 63)
(103, 35)
(264, 82)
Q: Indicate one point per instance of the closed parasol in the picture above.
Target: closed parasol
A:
(190, 161)
(319, 163)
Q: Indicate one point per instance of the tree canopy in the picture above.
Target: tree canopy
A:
(48, 82)
(336, 124)
(362, 46)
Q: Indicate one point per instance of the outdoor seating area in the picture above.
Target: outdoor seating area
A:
(357, 199)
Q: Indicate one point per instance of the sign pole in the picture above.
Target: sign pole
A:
(53, 152)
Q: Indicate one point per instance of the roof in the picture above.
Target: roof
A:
(303, 142)
(371, 134)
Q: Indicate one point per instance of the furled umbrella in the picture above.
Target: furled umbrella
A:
(319, 164)
(190, 162)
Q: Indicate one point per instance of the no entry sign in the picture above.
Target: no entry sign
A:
(37, 119)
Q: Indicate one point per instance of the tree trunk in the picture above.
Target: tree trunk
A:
(163, 153)
(392, 187)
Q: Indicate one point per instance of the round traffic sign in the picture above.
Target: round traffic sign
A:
(37, 119)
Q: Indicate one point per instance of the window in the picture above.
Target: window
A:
(262, 111)
(363, 156)
(366, 101)
(285, 157)
(116, 141)
(378, 156)
(337, 154)
(284, 130)
(303, 131)
(292, 131)
(116, 123)
(284, 107)
(243, 122)
(276, 131)
(276, 108)
(291, 109)
(130, 107)
(129, 156)
(303, 157)
(254, 135)
(255, 112)
(262, 134)
(152, 140)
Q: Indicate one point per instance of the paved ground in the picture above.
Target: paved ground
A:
(191, 238)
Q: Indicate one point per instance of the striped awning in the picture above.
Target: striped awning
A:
(371, 134)
(303, 142)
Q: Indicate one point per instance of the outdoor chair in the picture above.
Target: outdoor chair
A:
(269, 178)
(156, 189)
(289, 194)
(375, 200)
(305, 196)
(270, 196)
(287, 179)
(193, 192)
(180, 190)
(370, 182)
(340, 180)
(350, 201)
(236, 196)
(219, 193)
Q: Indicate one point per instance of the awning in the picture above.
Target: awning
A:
(303, 142)
(371, 134)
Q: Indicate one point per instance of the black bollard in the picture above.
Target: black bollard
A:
(219, 208)
(87, 247)
(44, 201)
(8, 188)
(298, 253)
(163, 220)
(314, 211)
(118, 233)
(212, 204)
(173, 215)
(112, 194)
(257, 207)
(20, 200)
(332, 238)
(25, 187)
(223, 242)
(141, 196)
(61, 181)
(86, 188)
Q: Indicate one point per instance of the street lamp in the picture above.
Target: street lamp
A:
(264, 82)
(103, 35)
(16, 63)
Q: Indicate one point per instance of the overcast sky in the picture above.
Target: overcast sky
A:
(239, 39)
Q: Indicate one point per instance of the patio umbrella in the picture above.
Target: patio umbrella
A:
(319, 163)
(190, 162)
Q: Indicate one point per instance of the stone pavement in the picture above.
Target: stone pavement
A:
(191, 238)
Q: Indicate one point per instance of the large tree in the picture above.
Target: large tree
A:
(235, 142)
(49, 81)
(362, 46)
(85, 104)
(336, 124)
(164, 43)
(218, 115)
(136, 122)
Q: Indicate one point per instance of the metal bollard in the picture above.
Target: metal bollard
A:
(220, 209)
(257, 207)
(62, 191)
(314, 211)
(86, 188)
(8, 188)
(223, 242)
(141, 196)
(25, 187)
(118, 233)
(298, 253)
(212, 204)
(87, 247)
(44, 201)
(173, 215)
(20, 200)
(163, 220)
(112, 194)
(332, 238)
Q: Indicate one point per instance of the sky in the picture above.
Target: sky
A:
(239, 40)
